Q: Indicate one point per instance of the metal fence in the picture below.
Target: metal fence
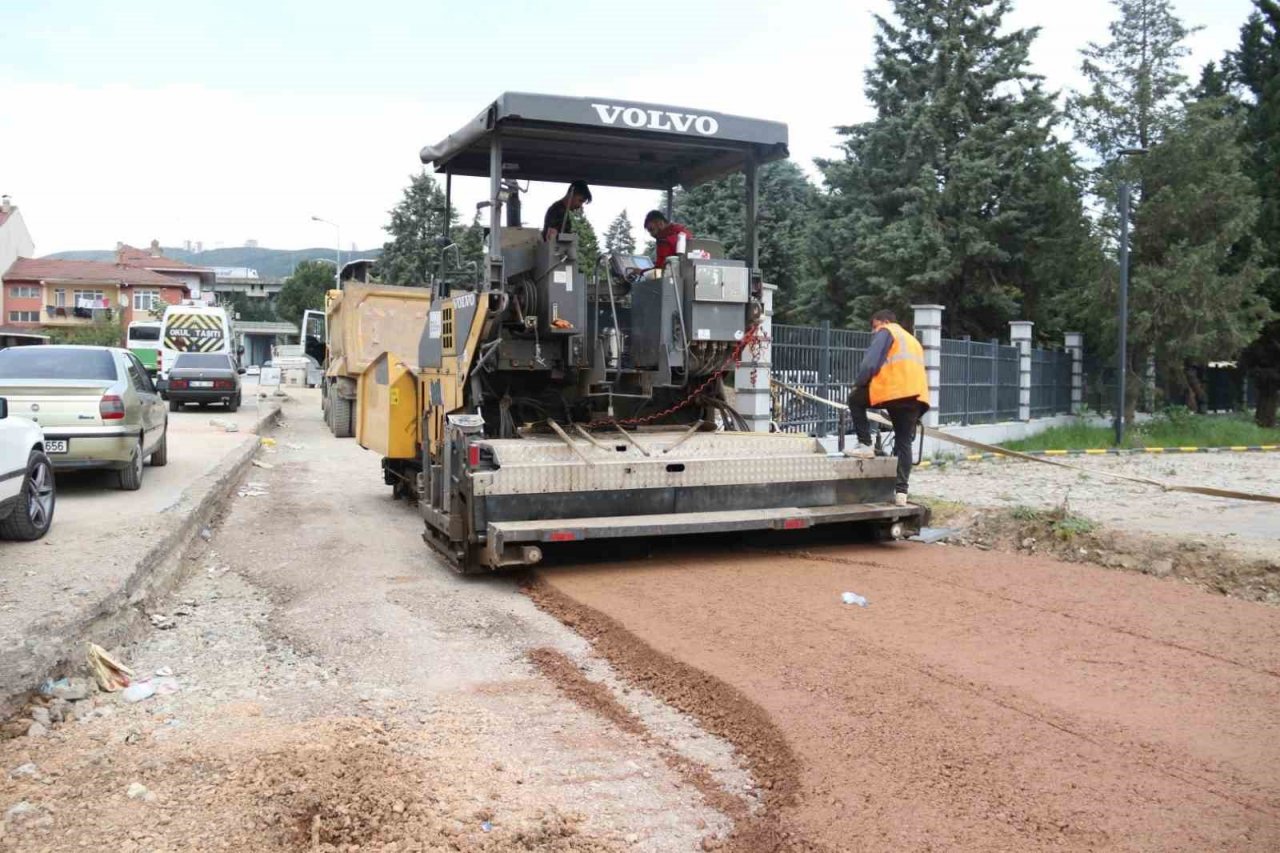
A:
(818, 359)
(1050, 382)
(979, 381)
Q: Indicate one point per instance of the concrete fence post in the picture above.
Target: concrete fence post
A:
(927, 325)
(1020, 337)
(1074, 343)
(752, 397)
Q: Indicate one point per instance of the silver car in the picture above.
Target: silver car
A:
(97, 406)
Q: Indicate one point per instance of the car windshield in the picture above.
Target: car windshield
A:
(144, 333)
(56, 363)
(202, 361)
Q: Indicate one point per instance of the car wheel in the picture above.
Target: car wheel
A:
(33, 512)
(175, 406)
(160, 456)
(234, 404)
(131, 477)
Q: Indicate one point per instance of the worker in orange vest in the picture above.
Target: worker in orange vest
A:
(891, 377)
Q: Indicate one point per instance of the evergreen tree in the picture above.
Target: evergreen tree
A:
(588, 244)
(957, 192)
(1135, 85)
(412, 254)
(471, 262)
(785, 206)
(1194, 289)
(619, 238)
(1256, 66)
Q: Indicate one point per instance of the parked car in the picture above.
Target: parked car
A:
(27, 492)
(96, 405)
(204, 377)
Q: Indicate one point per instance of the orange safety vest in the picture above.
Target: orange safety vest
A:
(902, 374)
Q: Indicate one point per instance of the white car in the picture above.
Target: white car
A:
(26, 479)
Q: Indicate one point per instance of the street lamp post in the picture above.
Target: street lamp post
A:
(337, 250)
(1123, 308)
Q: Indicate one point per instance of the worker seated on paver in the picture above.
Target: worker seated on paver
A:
(891, 377)
(558, 221)
(666, 235)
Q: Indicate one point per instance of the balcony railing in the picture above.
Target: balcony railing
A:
(57, 315)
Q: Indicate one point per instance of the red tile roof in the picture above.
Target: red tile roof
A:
(135, 257)
(45, 269)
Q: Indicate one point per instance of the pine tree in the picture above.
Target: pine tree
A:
(943, 197)
(619, 238)
(1256, 66)
(785, 213)
(588, 244)
(1135, 85)
(412, 255)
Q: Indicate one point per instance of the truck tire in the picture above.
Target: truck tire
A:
(33, 511)
(341, 416)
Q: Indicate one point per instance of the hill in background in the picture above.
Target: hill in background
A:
(270, 263)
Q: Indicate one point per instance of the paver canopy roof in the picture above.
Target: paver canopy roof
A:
(607, 141)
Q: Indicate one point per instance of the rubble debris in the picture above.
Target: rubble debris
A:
(109, 672)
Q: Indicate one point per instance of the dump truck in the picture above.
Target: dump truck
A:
(563, 398)
(361, 321)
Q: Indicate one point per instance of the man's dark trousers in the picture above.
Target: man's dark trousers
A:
(904, 414)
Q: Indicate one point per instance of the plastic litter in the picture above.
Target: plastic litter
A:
(258, 463)
(486, 826)
(267, 442)
(854, 598)
(138, 691)
(110, 674)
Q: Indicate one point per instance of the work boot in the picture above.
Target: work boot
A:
(900, 499)
(860, 451)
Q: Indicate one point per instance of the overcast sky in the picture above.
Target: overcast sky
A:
(227, 121)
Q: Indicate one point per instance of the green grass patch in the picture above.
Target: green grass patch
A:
(1061, 523)
(1173, 428)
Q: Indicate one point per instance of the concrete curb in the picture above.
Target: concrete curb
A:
(49, 647)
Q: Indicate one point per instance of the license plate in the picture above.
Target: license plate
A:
(55, 446)
(201, 384)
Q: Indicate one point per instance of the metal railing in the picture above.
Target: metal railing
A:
(1050, 382)
(979, 380)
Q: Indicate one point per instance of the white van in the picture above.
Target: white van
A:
(193, 327)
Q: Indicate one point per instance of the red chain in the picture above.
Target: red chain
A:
(753, 337)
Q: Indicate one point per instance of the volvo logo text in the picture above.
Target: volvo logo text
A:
(657, 119)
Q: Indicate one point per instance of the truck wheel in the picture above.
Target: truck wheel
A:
(33, 511)
(340, 415)
(131, 477)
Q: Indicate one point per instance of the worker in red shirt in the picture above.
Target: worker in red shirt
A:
(665, 234)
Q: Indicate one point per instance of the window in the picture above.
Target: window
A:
(57, 363)
(24, 316)
(90, 298)
(60, 298)
(138, 375)
(143, 332)
(203, 361)
(146, 300)
(24, 291)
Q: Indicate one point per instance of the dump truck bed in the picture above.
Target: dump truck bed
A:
(366, 320)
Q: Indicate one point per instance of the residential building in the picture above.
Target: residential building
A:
(198, 279)
(15, 241)
(51, 294)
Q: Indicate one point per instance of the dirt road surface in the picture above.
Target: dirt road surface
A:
(340, 690)
(981, 702)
